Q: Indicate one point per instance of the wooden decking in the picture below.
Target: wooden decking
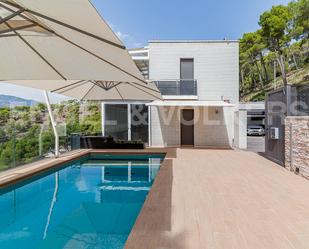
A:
(223, 199)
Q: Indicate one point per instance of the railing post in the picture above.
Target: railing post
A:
(54, 125)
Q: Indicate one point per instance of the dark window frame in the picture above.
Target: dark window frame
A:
(193, 68)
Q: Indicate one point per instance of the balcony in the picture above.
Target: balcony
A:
(177, 88)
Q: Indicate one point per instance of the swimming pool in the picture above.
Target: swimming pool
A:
(91, 203)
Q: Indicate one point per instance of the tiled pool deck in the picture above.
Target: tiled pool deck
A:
(223, 199)
(216, 199)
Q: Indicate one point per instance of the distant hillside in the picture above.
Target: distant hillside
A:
(300, 76)
(7, 101)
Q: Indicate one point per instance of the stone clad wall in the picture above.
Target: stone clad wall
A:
(297, 130)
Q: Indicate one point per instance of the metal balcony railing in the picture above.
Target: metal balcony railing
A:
(177, 87)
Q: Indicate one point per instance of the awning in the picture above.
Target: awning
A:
(191, 103)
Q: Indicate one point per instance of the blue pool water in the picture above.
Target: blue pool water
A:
(91, 203)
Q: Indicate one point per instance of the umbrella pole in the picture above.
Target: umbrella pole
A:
(54, 125)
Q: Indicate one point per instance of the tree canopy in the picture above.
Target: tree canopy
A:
(277, 49)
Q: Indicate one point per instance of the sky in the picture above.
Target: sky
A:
(138, 21)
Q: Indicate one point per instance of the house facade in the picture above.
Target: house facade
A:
(199, 83)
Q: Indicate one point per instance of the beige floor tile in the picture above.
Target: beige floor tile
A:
(224, 199)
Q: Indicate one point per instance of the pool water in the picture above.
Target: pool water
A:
(91, 203)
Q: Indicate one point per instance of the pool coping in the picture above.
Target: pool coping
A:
(19, 174)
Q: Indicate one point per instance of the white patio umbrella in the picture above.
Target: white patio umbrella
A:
(97, 90)
(64, 46)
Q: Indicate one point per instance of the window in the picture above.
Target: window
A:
(116, 121)
(186, 69)
(187, 82)
(117, 124)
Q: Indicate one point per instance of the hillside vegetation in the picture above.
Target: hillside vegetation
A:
(277, 53)
(26, 133)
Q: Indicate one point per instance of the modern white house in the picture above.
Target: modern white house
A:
(199, 82)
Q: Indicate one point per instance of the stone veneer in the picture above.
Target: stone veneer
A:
(299, 127)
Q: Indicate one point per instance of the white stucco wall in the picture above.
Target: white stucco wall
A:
(216, 66)
(214, 127)
(164, 127)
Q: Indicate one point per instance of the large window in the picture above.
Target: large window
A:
(116, 121)
(126, 121)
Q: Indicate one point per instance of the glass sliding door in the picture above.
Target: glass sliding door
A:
(139, 122)
(126, 121)
(116, 121)
(187, 77)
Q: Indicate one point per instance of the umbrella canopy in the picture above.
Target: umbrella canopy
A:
(66, 47)
(98, 90)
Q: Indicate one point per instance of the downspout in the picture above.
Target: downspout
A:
(54, 124)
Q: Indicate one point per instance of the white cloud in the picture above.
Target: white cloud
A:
(127, 39)
(121, 35)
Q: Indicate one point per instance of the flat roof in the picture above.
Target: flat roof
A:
(194, 41)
